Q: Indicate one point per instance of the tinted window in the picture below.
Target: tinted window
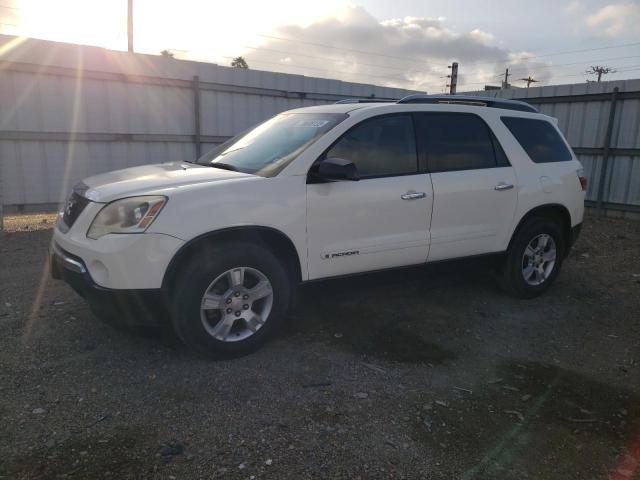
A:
(539, 139)
(455, 141)
(379, 146)
(501, 157)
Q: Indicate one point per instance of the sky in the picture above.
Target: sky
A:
(401, 43)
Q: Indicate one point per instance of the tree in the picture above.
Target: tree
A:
(239, 62)
(598, 70)
(167, 53)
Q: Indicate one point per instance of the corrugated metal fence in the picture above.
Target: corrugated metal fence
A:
(67, 112)
(602, 123)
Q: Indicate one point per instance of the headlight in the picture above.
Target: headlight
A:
(129, 215)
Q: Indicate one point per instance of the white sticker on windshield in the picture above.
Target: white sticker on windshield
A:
(312, 123)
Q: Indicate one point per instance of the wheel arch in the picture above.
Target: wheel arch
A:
(550, 210)
(275, 240)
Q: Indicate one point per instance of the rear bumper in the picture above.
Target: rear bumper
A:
(128, 308)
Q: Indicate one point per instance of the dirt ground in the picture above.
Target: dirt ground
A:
(420, 373)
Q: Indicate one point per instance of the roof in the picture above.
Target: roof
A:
(334, 108)
(479, 101)
(349, 105)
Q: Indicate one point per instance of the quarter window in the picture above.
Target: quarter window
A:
(501, 157)
(458, 141)
(539, 139)
(382, 146)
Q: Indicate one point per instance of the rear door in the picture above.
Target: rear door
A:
(380, 221)
(474, 185)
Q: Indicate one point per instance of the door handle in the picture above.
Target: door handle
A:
(503, 186)
(412, 195)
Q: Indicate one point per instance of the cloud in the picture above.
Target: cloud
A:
(616, 19)
(574, 6)
(480, 36)
(411, 52)
(521, 67)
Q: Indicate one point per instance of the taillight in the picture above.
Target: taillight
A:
(583, 180)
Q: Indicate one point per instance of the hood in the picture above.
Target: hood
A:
(151, 178)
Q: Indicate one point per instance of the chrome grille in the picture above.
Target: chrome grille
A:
(74, 205)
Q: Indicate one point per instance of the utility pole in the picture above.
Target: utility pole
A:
(505, 83)
(454, 78)
(599, 70)
(130, 26)
(529, 80)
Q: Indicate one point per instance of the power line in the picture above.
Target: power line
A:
(324, 58)
(565, 52)
(346, 49)
(626, 68)
(11, 15)
(411, 59)
(581, 51)
(399, 69)
(629, 68)
(582, 62)
(307, 67)
(549, 54)
(401, 57)
(596, 60)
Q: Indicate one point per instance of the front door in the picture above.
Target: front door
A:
(380, 221)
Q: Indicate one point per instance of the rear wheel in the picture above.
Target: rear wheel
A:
(229, 299)
(534, 258)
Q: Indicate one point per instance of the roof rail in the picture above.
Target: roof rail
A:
(366, 100)
(471, 100)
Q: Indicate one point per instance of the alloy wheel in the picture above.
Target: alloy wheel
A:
(539, 259)
(236, 304)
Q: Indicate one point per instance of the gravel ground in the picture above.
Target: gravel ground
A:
(422, 373)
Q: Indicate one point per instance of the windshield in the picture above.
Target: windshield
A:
(269, 147)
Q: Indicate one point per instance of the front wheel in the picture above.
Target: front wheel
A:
(229, 299)
(534, 258)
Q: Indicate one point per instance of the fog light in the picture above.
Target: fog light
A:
(99, 272)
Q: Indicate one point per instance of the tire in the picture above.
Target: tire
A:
(213, 331)
(542, 235)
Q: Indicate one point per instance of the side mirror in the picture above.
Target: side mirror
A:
(335, 169)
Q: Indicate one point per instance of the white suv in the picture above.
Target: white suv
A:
(216, 248)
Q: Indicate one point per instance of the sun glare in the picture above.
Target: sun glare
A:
(101, 23)
(194, 29)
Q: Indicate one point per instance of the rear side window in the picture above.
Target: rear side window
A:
(458, 141)
(539, 139)
(382, 146)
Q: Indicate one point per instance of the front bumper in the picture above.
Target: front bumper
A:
(126, 308)
(119, 261)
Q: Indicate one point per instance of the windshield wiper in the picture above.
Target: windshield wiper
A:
(224, 166)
